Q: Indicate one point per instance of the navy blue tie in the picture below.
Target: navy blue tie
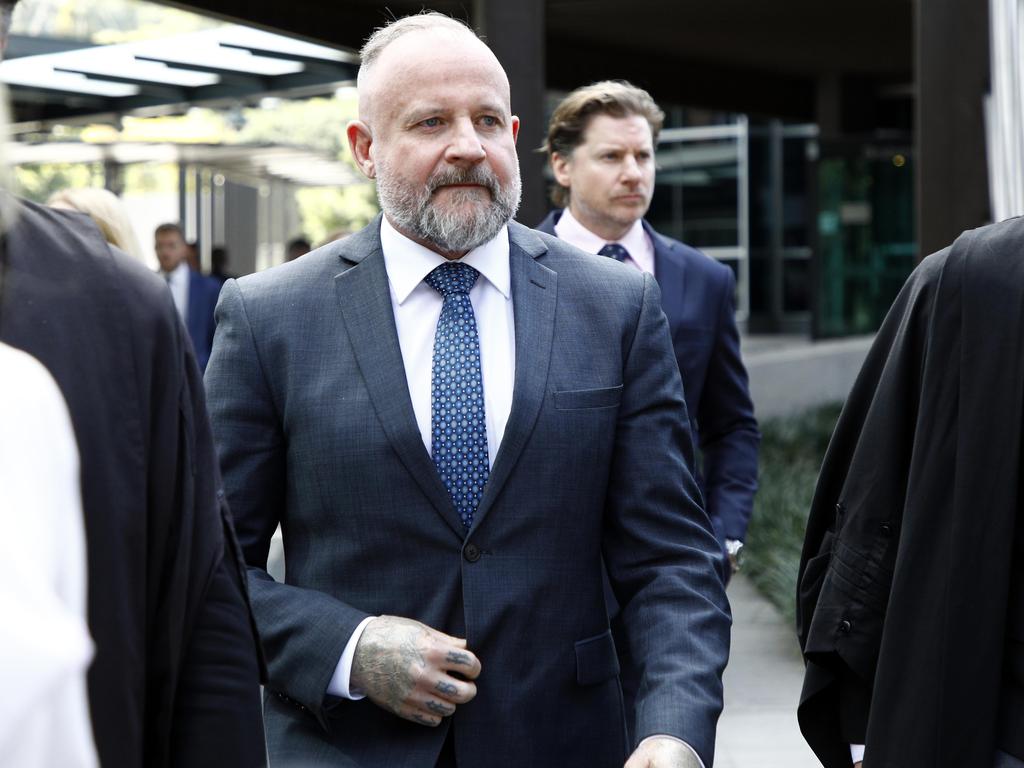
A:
(457, 424)
(614, 251)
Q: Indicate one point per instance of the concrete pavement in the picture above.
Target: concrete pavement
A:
(758, 728)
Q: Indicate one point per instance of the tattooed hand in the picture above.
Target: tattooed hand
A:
(412, 670)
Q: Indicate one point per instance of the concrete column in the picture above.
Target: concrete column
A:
(515, 32)
(952, 75)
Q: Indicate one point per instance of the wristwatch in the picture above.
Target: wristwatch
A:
(734, 547)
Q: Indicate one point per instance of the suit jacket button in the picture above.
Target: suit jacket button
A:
(471, 552)
(886, 528)
(845, 627)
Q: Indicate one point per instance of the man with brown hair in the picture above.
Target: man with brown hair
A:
(600, 144)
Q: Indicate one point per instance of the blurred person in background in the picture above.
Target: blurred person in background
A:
(192, 255)
(298, 247)
(175, 677)
(600, 145)
(195, 295)
(107, 210)
(219, 265)
(45, 645)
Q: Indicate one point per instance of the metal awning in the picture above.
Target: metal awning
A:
(227, 65)
(299, 166)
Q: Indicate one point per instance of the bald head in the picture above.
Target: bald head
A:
(421, 43)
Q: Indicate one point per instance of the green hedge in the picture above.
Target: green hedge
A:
(791, 453)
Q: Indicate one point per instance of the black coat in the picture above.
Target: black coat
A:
(175, 676)
(906, 570)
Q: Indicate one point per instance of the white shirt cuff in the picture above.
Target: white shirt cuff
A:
(674, 738)
(339, 685)
(856, 753)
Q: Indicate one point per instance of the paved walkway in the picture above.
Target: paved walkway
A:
(758, 728)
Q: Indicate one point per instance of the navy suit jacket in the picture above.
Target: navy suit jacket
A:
(316, 430)
(697, 297)
(202, 302)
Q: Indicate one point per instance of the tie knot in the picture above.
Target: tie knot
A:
(452, 278)
(614, 251)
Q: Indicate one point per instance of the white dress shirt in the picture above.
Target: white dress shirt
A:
(177, 281)
(636, 241)
(417, 308)
(44, 640)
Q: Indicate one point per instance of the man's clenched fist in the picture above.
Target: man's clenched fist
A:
(412, 670)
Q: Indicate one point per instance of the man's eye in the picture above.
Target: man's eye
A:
(489, 120)
(431, 122)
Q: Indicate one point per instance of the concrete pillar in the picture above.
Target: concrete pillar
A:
(952, 75)
(515, 32)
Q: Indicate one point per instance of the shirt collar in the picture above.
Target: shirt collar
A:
(569, 229)
(407, 262)
(179, 273)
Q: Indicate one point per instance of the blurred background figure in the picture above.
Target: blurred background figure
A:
(192, 255)
(219, 264)
(107, 210)
(297, 247)
(195, 296)
(44, 642)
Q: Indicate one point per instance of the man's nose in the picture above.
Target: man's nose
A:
(631, 170)
(465, 146)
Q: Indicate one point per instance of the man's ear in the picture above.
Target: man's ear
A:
(359, 141)
(561, 167)
(515, 129)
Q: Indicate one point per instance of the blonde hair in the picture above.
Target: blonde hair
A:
(107, 210)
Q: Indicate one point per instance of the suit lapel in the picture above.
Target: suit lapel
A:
(670, 273)
(534, 291)
(364, 298)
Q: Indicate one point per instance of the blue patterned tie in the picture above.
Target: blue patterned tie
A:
(614, 251)
(457, 425)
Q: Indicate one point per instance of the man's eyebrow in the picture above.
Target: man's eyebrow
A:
(419, 111)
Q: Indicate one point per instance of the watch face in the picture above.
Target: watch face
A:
(733, 547)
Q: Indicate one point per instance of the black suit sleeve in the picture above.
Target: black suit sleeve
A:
(217, 715)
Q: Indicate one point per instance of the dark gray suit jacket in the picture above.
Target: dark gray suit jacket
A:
(316, 430)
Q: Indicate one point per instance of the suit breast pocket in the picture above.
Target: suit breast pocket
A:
(579, 399)
(596, 659)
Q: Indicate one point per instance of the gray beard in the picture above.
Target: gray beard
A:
(414, 211)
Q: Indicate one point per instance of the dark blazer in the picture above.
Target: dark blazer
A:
(316, 430)
(202, 302)
(910, 606)
(175, 679)
(697, 297)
